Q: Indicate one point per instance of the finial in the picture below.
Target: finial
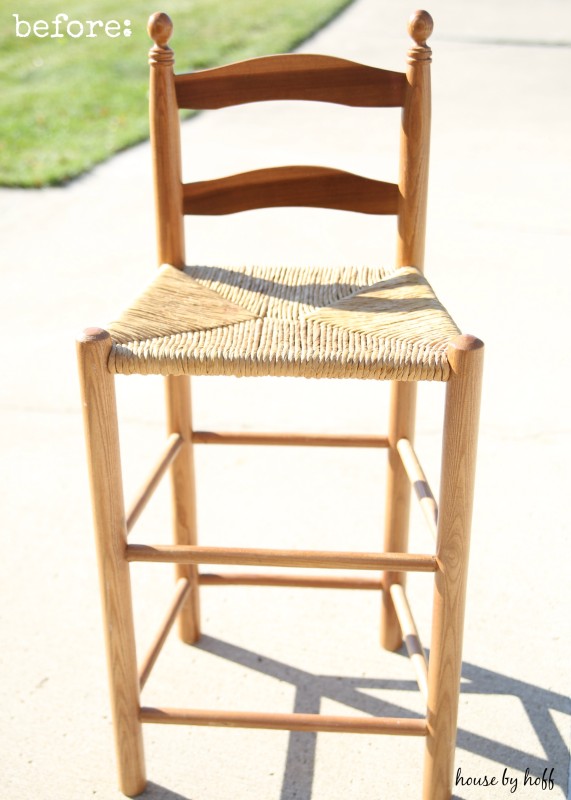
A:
(159, 28)
(420, 27)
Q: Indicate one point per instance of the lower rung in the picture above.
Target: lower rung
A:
(301, 581)
(399, 726)
(296, 439)
(257, 557)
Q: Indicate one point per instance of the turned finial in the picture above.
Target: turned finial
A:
(420, 27)
(159, 28)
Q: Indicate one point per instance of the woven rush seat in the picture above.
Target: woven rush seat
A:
(307, 322)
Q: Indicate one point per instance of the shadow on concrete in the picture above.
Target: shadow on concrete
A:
(311, 689)
(156, 792)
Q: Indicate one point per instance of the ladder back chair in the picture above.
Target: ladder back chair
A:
(383, 324)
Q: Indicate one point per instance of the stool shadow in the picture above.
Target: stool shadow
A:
(312, 689)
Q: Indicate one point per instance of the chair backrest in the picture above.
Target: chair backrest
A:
(291, 77)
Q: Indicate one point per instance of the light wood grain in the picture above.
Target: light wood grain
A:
(298, 581)
(413, 188)
(104, 463)
(456, 497)
(397, 507)
(415, 149)
(294, 76)
(165, 146)
(179, 420)
(269, 557)
(400, 726)
(289, 439)
(307, 186)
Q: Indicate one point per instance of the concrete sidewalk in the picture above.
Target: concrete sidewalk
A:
(497, 253)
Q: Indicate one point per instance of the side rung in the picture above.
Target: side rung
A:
(419, 483)
(300, 439)
(313, 723)
(241, 556)
(301, 581)
(411, 637)
(174, 443)
(181, 591)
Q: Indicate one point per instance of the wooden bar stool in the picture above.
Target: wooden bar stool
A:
(369, 323)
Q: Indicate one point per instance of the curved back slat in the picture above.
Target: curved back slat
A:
(316, 187)
(294, 76)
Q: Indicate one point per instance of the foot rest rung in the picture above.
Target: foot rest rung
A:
(299, 581)
(399, 726)
(289, 439)
(257, 557)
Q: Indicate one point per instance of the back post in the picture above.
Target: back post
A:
(413, 188)
(165, 145)
(415, 146)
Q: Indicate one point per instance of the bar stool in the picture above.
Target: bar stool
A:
(370, 323)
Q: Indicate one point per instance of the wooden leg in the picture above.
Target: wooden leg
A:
(179, 420)
(102, 440)
(465, 355)
(401, 424)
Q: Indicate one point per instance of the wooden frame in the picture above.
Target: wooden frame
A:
(330, 80)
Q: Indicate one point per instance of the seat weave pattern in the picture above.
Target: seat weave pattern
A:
(301, 322)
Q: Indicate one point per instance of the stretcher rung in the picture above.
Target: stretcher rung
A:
(400, 726)
(299, 439)
(419, 483)
(301, 581)
(182, 589)
(241, 556)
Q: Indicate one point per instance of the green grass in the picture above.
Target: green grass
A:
(68, 104)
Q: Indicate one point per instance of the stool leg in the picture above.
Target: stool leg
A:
(465, 355)
(102, 441)
(401, 425)
(179, 420)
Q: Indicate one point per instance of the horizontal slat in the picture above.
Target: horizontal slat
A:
(300, 439)
(242, 556)
(300, 581)
(307, 186)
(294, 76)
(181, 591)
(400, 726)
(174, 443)
(419, 483)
